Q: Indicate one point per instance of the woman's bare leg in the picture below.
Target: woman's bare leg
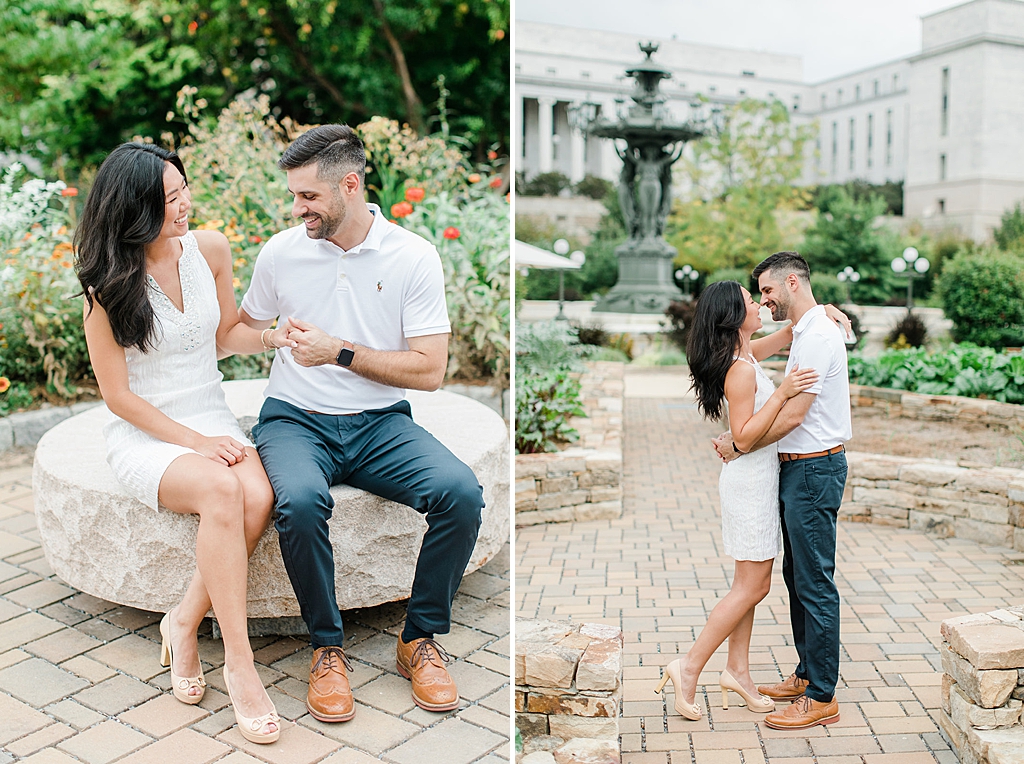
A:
(749, 586)
(194, 484)
(738, 662)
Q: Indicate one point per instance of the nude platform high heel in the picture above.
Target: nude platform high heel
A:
(760, 704)
(689, 711)
(252, 729)
(180, 685)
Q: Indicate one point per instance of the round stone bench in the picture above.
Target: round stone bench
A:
(107, 544)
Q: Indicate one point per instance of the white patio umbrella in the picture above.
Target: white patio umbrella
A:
(529, 256)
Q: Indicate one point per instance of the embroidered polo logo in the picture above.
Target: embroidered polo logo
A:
(380, 286)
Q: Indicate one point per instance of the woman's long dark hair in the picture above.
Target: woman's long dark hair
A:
(712, 342)
(123, 213)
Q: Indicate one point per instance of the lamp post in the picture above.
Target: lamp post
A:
(918, 266)
(848, 276)
(688, 274)
(561, 247)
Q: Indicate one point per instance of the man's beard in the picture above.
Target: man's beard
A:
(781, 311)
(330, 222)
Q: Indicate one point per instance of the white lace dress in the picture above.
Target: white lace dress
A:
(749, 492)
(179, 376)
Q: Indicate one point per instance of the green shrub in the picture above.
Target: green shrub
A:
(731, 274)
(827, 289)
(909, 332)
(1009, 235)
(593, 186)
(544, 184)
(981, 294)
(680, 314)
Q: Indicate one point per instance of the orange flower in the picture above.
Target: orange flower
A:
(5, 384)
(192, 27)
(71, 191)
(401, 209)
(451, 232)
(255, 239)
(492, 155)
(473, 178)
(65, 263)
(496, 182)
(414, 194)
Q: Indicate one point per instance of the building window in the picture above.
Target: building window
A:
(895, 83)
(585, 75)
(747, 73)
(817, 153)
(839, 96)
(944, 123)
(824, 100)
(552, 71)
(871, 137)
(942, 206)
(796, 102)
(835, 145)
(888, 137)
(876, 88)
(856, 93)
(712, 88)
(942, 166)
(853, 133)
(743, 92)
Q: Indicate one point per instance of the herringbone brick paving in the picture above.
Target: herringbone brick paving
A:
(659, 570)
(80, 679)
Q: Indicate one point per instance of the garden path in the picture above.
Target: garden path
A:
(658, 570)
(80, 679)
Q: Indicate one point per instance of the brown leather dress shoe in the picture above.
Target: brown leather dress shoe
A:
(422, 661)
(788, 689)
(804, 713)
(330, 697)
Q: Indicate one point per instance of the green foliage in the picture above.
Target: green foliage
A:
(42, 342)
(543, 184)
(909, 332)
(1009, 235)
(966, 370)
(741, 177)
(593, 186)
(81, 76)
(477, 286)
(742, 275)
(845, 234)
(548, 358)
(981, 294)
(891, 193)
(827, 289)
(680, 313)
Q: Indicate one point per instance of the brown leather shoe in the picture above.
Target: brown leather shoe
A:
(788, 689)
(330, 697)
(422, 661)
(804, 713)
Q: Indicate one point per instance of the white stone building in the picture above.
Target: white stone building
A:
(948, 121)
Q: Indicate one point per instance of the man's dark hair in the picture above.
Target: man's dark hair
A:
(781, 264)
(335, 149)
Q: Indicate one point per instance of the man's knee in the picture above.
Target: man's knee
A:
(301, 506)
(456, 492)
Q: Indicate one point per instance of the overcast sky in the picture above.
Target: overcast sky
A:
(832, 36)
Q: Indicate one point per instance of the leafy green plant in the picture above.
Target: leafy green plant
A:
(544, 405)
(1009, 236)
(909, 332)
(981, 293)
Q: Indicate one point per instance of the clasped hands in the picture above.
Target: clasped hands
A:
(310, 345)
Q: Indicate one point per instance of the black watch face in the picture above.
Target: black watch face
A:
(345, 356)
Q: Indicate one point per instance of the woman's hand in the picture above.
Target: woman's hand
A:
(279, 337)
(797, 381)
(222, 449)
(840, 318)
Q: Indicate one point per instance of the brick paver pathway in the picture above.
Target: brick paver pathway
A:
(80, 679)
(659, 570)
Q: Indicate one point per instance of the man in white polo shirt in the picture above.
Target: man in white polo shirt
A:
(810, 430)
(366, 302)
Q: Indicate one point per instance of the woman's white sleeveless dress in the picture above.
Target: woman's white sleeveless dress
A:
(749, 493)
(179, 376)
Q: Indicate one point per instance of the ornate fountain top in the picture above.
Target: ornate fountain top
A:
(650, 48)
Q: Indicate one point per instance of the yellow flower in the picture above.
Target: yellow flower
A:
(236, 283)
(239, 262)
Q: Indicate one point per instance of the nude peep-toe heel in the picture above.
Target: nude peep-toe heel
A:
(760, 704)
(180, 685)
(689, 711)
(252, 729)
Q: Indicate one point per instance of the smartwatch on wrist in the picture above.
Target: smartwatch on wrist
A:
(347, 353)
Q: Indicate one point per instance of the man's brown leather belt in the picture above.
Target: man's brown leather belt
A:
(797, 457)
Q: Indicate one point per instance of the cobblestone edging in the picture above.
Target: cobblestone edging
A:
(942, 408)
(983, 686)
(568, 691)
(985, 505)
(583, 482)
(25, 428)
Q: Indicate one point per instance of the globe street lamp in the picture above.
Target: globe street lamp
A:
(848, 276)
(917, 265)
(561, 247)
(688, 274)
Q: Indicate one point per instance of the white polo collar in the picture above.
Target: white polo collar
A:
(806, 318)
(373, 239)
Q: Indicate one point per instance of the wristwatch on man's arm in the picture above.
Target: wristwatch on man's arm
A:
(346, 354)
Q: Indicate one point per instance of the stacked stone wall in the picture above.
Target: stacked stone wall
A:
(983, 686)
(583, 482)
(938, 408)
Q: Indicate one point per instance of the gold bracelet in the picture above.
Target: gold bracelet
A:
(263, 339)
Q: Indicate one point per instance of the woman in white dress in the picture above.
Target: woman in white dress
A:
(724, 368)
(159, 302)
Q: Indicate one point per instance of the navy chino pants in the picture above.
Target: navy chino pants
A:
(385, 453)
(810, 492)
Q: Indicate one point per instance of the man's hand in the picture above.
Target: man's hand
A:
(724, 447)
(313, 346)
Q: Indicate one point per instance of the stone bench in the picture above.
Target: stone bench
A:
(107, 544)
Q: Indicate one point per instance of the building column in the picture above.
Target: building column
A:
(519, 136)
(577, 145)
(546, 123)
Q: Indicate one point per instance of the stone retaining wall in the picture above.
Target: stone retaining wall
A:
(983, 686)
(583, 482)
(568, 689)
(985, 505)
(943, 408)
